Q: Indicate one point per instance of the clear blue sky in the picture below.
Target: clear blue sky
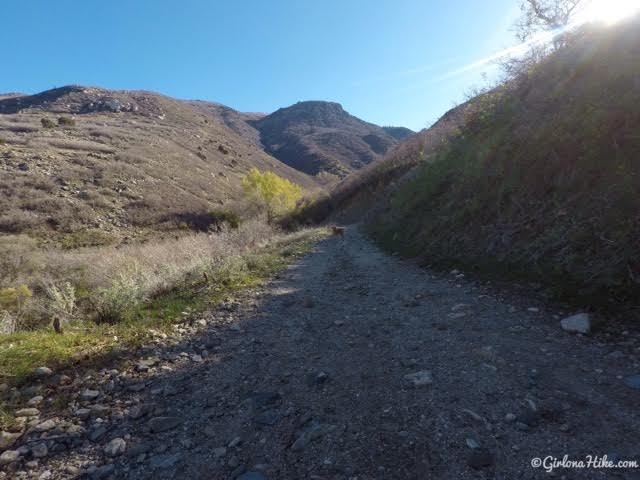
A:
(382, 59)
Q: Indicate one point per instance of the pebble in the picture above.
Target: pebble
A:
(8, 439)
(420, 379)
(43, 372)
(115, 447)
(35, 401)
(27, 412)
(83, 413)
(103, 472)
(164, 461)
(510, 417)
(162, 424)
(45, 426)
(39, 450)
(9, 456)
(89, 394)
(580, 323)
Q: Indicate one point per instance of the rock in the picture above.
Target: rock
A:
(43, 372)
(479, 458)
(252, 476)
(45, 426)
(88, 394)
(219, 452)
(162, 424)
(37, 400)
(633, 381)
(472, 443)
(164, 461)
(267, 418)
(97, 433)
(27, 412)
(262, 400)
(420, 379)
(510, 417)
(9, 456)
(83, 413)
(580, 323)
(39, 450)
(115, 447)
(138, 411)
(307, 436)
(8, 439)
(103, 472)
(235, 442)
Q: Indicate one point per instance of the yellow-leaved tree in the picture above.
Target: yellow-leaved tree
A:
(274, 194)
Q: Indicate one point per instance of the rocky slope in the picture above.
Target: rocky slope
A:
(131, 159)
(320, 137)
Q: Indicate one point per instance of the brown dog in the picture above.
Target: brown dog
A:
(338, 231)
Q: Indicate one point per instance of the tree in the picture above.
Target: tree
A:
(545, 15)
(538, 16)
(274, 194)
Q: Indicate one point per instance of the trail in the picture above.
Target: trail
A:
(307, 379)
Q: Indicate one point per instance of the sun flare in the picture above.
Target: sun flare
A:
(610, 11)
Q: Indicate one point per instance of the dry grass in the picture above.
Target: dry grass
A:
(109, 274)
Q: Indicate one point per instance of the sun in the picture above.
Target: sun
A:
(609, 11)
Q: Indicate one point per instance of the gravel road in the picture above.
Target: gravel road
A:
(353, 364)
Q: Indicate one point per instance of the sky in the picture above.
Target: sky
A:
(390, 62)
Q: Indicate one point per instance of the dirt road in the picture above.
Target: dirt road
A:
(356, 365)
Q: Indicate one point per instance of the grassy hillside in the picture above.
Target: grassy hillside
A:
(119, 162)
(542, 179)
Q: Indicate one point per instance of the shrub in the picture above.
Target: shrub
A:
(62, 300)
(66, 122)
(117, 302)
(219, 217)
(3, 141)
(47, 123)
(12, 303)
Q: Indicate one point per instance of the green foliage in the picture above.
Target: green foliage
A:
(47, 123)
(220, 216)
(66, 122)
(276, 195)
(3, 141)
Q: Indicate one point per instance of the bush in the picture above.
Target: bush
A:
(219, 217)
(66, 122)
(62, 300)
(3, 141)
(274, 194)
(117, 302)
(47, 123)
(12, 303)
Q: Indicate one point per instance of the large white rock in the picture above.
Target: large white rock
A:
(579, 323)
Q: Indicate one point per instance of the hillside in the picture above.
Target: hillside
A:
(542, 179)
(132, 159)
(367, 188)
(321, 137)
